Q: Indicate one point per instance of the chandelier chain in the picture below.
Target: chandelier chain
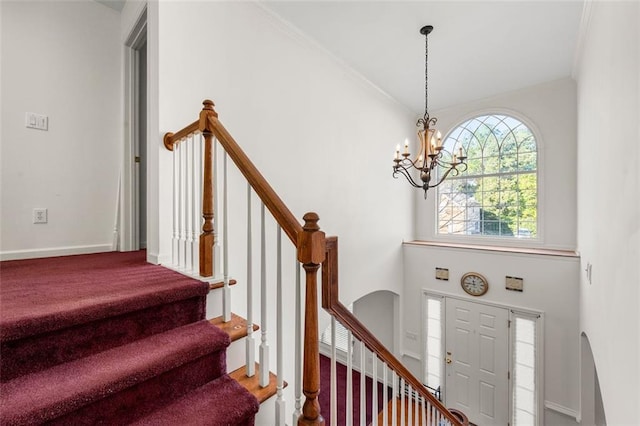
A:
(426, 76)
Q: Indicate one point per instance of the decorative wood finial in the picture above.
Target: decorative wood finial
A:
(311, 222)
(208, 106)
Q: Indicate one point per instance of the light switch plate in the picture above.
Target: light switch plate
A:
(36, 121)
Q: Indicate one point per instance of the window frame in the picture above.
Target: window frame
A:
(503, 241)
(538, 319)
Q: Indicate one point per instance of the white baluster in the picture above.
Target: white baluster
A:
(298, 347)
(280, 402)
(264, 347)
(363, 385)
(187, 204)
(176, 194)
(423, 410)
(416, 407)
(178, 152)
(183, 204)
(385, 395)
(349, 410)
(226, 295)
(195, 208)
(402, 402)
(216, 211)
(394, 394)
(333, 399)
(374, 390)
(250, 349)
(410, 407)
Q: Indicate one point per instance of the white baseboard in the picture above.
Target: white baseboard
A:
(158, 258)
(54, 251)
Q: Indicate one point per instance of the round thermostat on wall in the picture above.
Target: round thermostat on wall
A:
(474, 284)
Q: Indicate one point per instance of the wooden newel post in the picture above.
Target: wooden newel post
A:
(207, 238)
(311, 253)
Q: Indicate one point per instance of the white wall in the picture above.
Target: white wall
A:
(608, 79)
(60, 59)
(550, 286)
(319, 134)
(377, 311)
(550, 109)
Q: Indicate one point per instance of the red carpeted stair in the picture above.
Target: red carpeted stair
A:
(110, 339)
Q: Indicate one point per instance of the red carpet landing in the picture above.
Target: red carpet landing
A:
(110, 339)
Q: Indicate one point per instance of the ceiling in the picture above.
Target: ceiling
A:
(477, 48)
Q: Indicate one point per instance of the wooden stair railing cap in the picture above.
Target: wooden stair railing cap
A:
(311, 242)
(170, 138)
(207, 110)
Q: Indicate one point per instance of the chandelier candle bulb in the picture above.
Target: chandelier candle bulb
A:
(406, 146)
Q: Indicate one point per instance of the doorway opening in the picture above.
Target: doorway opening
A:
(133, 234)
(483, 359)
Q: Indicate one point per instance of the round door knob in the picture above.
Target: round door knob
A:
(448, 360)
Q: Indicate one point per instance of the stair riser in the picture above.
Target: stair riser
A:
(139, 400)
(236, 354)
(43, 351)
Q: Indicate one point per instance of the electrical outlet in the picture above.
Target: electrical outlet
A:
(411, 336)
(40, 216)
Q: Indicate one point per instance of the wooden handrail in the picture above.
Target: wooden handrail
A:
(171, 139)
(308, 240)
(331, 304)
(209, 125)
(313, 250)
(271, 200)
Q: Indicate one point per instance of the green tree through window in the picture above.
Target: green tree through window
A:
(498, 193)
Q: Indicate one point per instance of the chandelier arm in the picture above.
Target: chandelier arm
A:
(404, 172)
(449, 170)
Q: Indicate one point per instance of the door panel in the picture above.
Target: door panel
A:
(476, 341)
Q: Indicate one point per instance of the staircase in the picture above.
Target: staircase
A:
(115, 351)
(118, 341)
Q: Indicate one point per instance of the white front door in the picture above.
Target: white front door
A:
(477, 363)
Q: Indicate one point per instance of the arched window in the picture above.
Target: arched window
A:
(498, 193)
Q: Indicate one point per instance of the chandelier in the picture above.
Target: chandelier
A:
(429, 163)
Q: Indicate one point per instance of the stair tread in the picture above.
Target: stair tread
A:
(252, 384)
(236, 328)
(84, 288)
(218, 403)
(66, 387)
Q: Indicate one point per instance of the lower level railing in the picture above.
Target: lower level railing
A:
(201, 194)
